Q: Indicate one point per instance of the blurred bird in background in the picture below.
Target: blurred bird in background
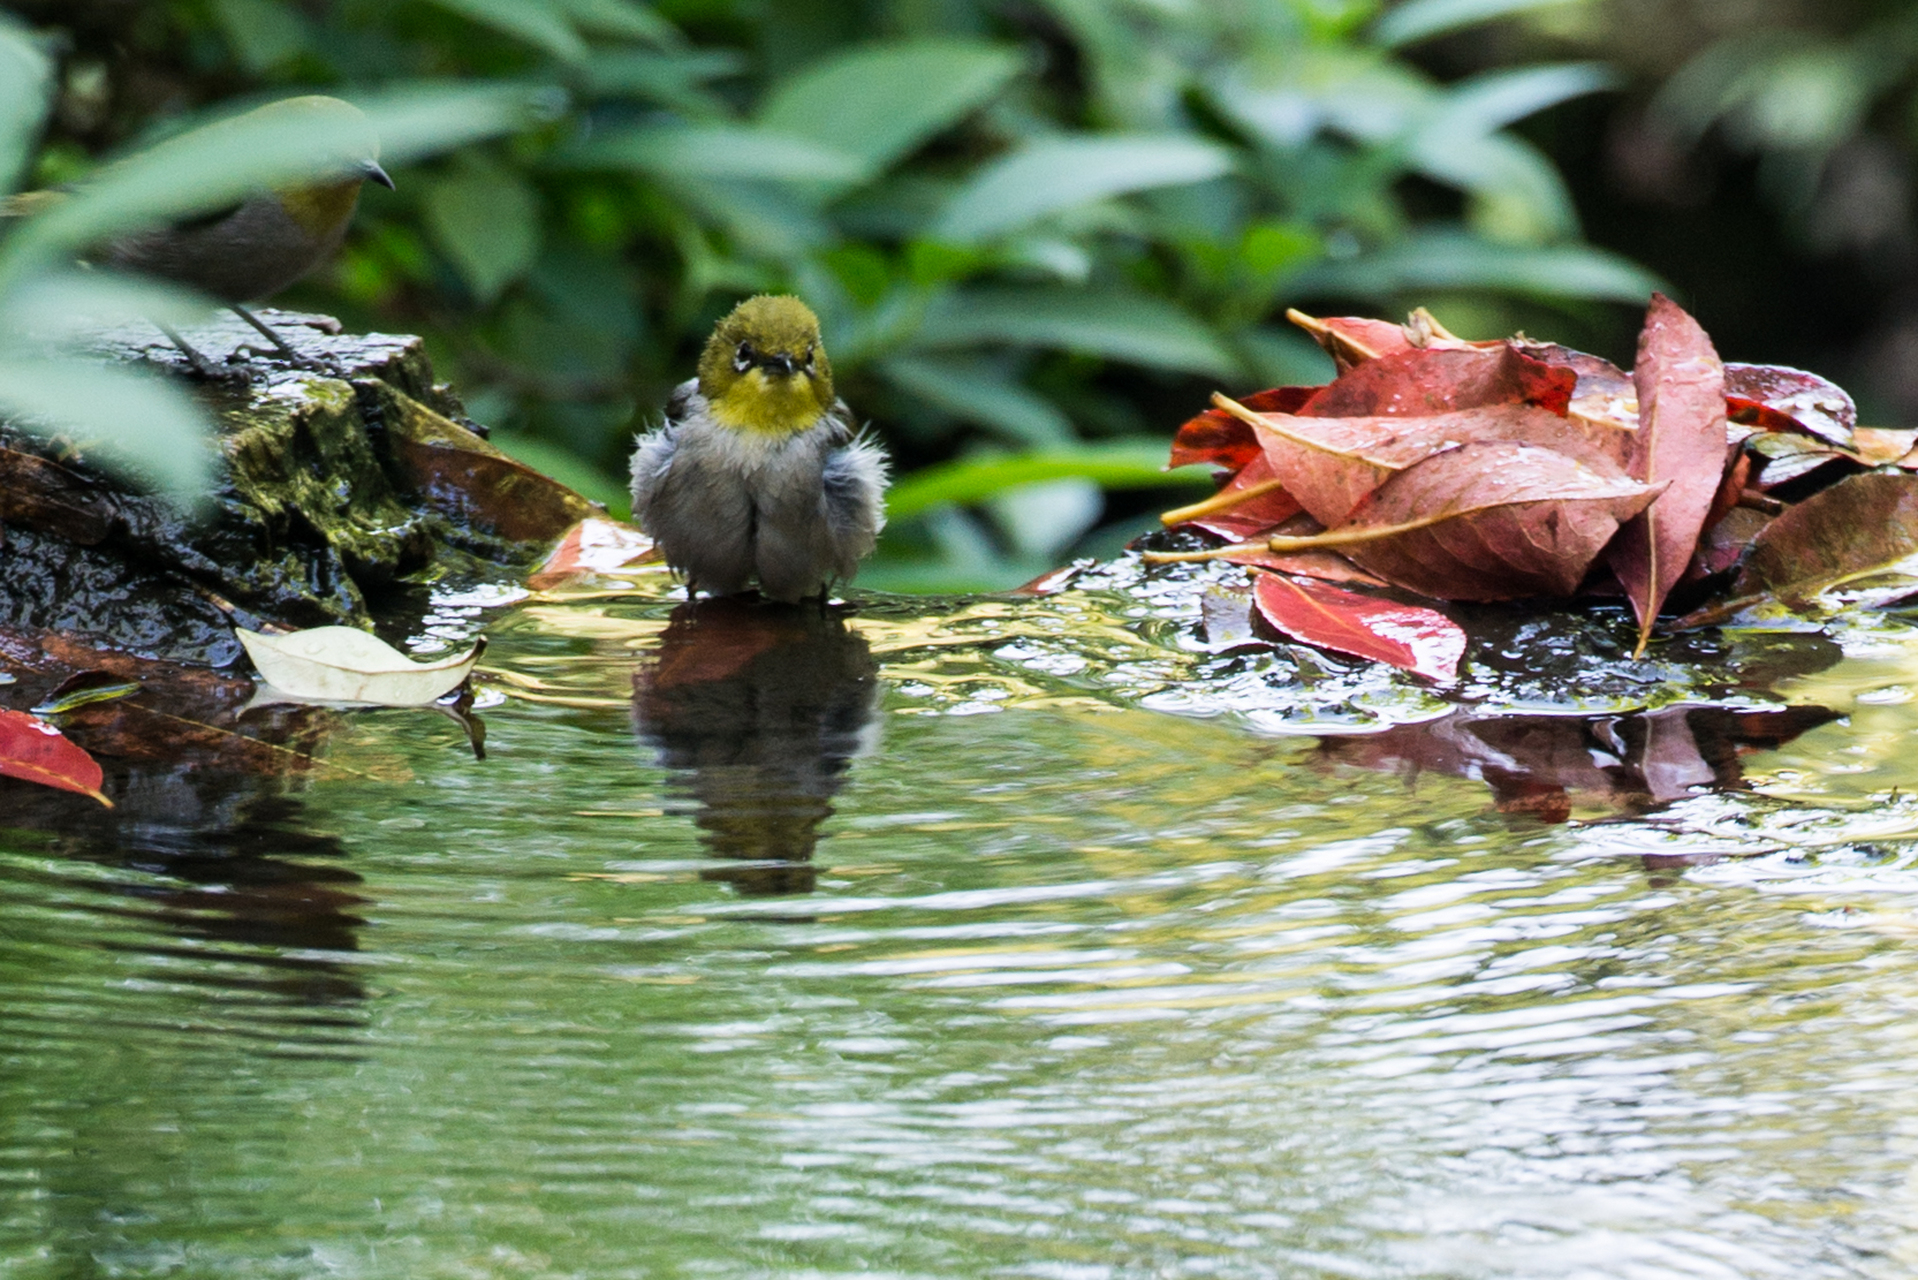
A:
(247, 252)
(756, 474)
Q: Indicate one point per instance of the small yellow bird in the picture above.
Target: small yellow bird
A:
(756, 475)
(251, 250)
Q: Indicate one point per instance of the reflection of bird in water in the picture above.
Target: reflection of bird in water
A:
(761, 707)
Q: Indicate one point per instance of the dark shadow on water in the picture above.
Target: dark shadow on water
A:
(1541, 765)
(230, 883)
(758, 709)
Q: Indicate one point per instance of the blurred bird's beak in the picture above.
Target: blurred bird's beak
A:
(784, 364)
(371, 169)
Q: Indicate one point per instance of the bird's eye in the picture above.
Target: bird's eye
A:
(743, 357)
(809, 355)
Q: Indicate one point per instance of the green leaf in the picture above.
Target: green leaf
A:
(713, 151)
(60, 305)
(1054, 174)
(537, 22)
(1491, 101)
(676, 80)
(1136, 328)
(486, 220)
(23, 98)
(1042, 520)
(974, 392)
(1111, 464)
(229, 159)
(878, 102)
(142, 423)
(622, 19)
(1419, 20)
(262, 34)
(1453, 260)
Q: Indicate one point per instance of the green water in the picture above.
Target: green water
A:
(1010, 941)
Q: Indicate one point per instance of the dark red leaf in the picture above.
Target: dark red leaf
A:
(1217, 437)
(1418, 640)
(1723, 545)
(1596, 375)
(1438, 380)
(1492, 521)
(1326, 566)
(456, 472)
(1774, 398)
(1332, 464)
(1680, 446)
(34, 751)
(1255, 515)
(1353, 340)
(1731, 487)
(1862, 523)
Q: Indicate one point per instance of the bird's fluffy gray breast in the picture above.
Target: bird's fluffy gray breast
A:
(794, 511)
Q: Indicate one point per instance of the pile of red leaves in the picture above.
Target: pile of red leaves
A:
(1518, 469)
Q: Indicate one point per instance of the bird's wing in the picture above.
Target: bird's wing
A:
(680, 401)
(855, 479)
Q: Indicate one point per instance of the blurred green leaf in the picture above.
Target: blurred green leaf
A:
(24, 83)
(677, 80)
(486, 220)
(1134, 327)
(712, 151)
(1452, 260)
(264, 34)
(1041, 520)
(61, 305)
(1110, 464)
(622, 19)
(539, 23)
(96, 406)
(1482, 103)
(1059, 173)
(973, 392)
(877, 102)
(1418, 20)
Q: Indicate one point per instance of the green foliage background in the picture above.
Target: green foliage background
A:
(1038, 232)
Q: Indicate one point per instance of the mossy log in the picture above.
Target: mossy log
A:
(337, 493)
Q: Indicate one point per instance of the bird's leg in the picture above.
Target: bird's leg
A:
(201, 366)
(279, 343)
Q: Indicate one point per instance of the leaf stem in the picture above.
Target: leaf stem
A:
(1224, 500)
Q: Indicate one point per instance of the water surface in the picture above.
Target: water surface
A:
(1017, 938)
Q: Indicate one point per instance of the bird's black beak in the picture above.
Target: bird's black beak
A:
(782, 364)
(371, 170)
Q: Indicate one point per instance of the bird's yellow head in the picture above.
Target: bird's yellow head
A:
(764, 368)
(349, 155)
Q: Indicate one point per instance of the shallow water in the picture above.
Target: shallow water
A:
(1013, 938)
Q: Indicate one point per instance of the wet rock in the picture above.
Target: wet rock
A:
(337, 486)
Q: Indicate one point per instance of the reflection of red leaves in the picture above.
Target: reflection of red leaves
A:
(1499, 470)
(1407, 636)
(34, 751)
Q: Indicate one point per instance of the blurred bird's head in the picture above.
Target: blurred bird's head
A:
(349, 155)
(764, 368)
